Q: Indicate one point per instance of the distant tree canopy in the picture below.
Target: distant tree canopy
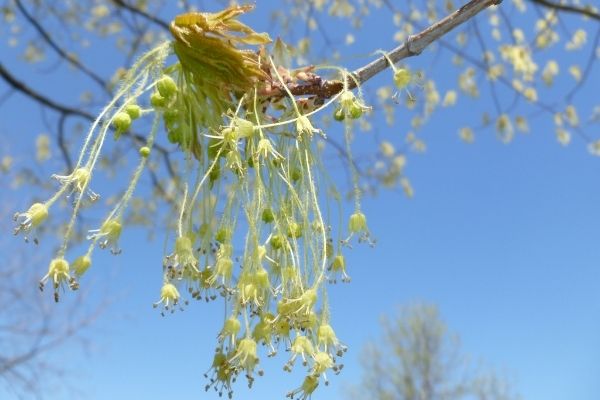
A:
(418, 358)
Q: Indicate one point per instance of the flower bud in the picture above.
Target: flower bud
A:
(121, 122)
(294, 230)
(166, 86)
(81, 264)
(277, 242)
(144, 151)
(358, 223)
(267, 216)
(157, 100)
(133, 110)
(338, 114)
(355, 111)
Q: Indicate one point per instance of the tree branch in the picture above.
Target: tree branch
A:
(142, 13)
(588, 11)
(413, 46)
(26, 90)
(66, 110)
(63, 54)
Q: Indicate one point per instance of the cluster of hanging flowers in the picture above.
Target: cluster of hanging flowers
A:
(254, 186)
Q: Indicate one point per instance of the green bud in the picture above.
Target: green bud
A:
(296, 174)
(294, 230)
(267, 216)
(133, 110)
(357, 223)
(276, 162)
(277, 242)
(121, 122)
(157, 100)
(338, 114)
(355, 111)
(166, 86)
(81, 264)
(223, 235)
(144, 151)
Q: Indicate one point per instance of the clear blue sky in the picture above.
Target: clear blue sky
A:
(503, 238)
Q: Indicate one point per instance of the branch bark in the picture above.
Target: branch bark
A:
(413, 46)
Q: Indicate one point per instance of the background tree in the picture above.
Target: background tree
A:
(33, 333)
(418, 358)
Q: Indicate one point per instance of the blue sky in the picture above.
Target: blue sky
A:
(503, 238)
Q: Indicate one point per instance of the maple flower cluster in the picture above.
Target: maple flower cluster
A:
(251, 227)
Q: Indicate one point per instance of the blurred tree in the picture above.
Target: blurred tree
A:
(33, 333)
(417, 358)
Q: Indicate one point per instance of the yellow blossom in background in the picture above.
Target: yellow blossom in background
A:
(496, 34)
(521, 124)
(6, 163)
(467, 83)
(504, 128)
(550, 71)
(520, 5)
(546, 36)
(387, 149)
(575, 72)
(449, 98)
(42, 148)
(558, 119)
(407, 187)
(594, 148)
(577, 41)
(572, 117)
(530, 94)
(518, 35)
(521, 60)
(563, 136)
(495, 71)
(466, 135)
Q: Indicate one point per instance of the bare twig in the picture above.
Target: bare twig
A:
(142, 13)
(588, 11)
(62, 53)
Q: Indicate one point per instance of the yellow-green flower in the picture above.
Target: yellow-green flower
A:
(30, 219)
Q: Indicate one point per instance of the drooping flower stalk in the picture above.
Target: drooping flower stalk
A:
(253, 183)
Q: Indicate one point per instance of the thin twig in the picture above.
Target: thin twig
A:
(587, 10)
(62, 53)
(142, 13)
